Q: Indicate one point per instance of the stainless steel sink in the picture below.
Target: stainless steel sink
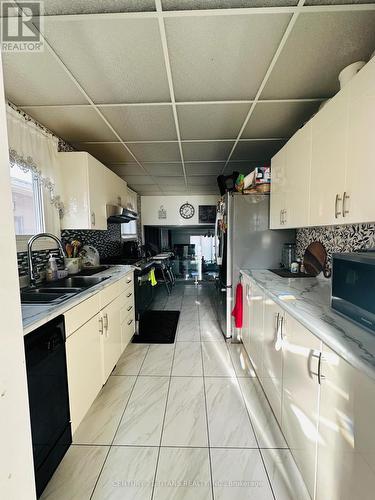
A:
(79, 281)
(89, 271)
(32, 297)
(52, 289)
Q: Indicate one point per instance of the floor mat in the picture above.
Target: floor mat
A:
(157, 327)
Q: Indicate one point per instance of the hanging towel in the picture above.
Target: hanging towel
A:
(151, 277)
(237, 312)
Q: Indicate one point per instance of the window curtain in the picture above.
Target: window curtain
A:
(34, 149)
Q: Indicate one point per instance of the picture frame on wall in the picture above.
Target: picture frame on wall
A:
(207, 214)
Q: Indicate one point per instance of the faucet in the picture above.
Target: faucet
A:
(33, 274)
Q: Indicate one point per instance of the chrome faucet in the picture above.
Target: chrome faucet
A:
(33, 274)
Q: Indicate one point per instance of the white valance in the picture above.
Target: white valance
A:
(34, 149)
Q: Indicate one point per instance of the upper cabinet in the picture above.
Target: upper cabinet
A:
(324, 174)
(87, 187)
(131, 201)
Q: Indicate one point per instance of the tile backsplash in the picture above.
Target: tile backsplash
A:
(349, 238)
(40, 259)
(108, 243)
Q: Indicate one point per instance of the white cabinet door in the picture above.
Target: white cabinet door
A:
(99, 192)
(272, 354)
(346, 446)
(127, 317)
(246, 313)
(83, 357)
(359, 200)
(297, 175)
(111, 337)
(329, 161)
(278, 189)
(256, 328)
(300, 406)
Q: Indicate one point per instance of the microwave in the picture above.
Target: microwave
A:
(353, 287)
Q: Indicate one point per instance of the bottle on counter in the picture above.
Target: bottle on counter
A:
(51, 272)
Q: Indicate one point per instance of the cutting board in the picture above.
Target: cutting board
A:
(315, 259)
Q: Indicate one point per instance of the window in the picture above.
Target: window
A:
(27, 202)
(129, 230)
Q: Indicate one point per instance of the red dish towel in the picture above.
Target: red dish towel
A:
(237, 312)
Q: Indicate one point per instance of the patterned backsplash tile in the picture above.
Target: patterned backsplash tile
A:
(40, 259)
(348, 238)
(108, 243)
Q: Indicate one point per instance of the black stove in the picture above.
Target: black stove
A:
(141, 263)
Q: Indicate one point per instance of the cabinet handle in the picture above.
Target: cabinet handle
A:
(318, 374)
(106, 322)
(129, 295)
(101, 326)
(279, 337)
(285, 216)
(93, 218)
(130, 322)
(130, 308)
(337, 200)
(345, 197)
(129, 280)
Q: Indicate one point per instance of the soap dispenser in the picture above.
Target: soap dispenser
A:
(51, 268)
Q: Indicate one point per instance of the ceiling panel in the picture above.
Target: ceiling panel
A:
(171, 181)
(211, 121)
(217, 58)
(140, 179)
(164, 169)
(214, 168)
(174, 190)
(36, 78)
(318, 48)
(256, 150)
(123, 170)
(73, 124)
(271, 119)
(164, 151)
(145, 189)
(204, 190)
(106, 153)
(202, 180)
(243, 167)
(223, 4)
(57, 7)
(142, 123)
(206, 151)
(126, 62)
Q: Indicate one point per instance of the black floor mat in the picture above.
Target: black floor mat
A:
(157, 327)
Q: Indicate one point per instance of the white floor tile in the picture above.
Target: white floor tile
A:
(286, 480)
(188, 331)
(128, 474)
(131, 360)
(102, 419)
(189, 314)
(187, 360)
(239, 475)
(185, 420)
(158, 360)
(228, 421)
(183, 474)
(142, 421)
(211, 331)
(76, 475)
(240, 360)
(216, 360)
(264, 422)
(207, 313)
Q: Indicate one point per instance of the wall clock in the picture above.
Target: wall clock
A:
(187, 210)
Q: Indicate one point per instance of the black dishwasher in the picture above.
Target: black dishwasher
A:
(48, 398)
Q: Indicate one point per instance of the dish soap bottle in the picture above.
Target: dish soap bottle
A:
(51, 274)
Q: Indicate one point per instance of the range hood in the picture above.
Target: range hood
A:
(120, 215)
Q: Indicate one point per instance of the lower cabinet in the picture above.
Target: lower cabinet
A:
(83, 357)
(245, 334)
(110, 336)
(255, 350)
(346, 445)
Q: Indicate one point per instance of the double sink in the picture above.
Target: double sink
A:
(63, 289)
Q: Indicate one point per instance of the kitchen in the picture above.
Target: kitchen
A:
(131, 132)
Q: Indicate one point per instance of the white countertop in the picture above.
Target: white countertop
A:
(308, 301)
(36, 315)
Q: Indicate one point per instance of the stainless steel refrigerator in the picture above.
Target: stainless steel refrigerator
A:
(243, 241)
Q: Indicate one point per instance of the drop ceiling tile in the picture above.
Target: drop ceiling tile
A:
(318, 48)
(74, 124)
(206, 151)
(126, 62)
(214, 168)
(243, 167)
(36, 78)
(57, 7)
(145, 189)
(106, 153)
(164, 169)
(123, 170)
(170, 181)
(202, 180)
(204, 190)
(157, 152)
(140, 180)
(211, 121)
(271, 119)
(217, 57)
(256, 150)
(223, 4)
(171, 190)
(142, 123)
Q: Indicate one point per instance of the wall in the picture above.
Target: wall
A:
(348, 238)
(151, 205)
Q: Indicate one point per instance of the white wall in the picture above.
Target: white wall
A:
(16, 461)
(150, 206)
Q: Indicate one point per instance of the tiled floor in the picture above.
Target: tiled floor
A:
(179, 422)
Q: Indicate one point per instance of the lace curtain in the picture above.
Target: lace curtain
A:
(35, 150)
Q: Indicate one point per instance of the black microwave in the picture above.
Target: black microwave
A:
(353, 287)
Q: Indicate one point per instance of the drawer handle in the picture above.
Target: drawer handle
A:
(129, 295)
(129, 280)
(130, 308)
(345, 211)
(130, 322)
(101, 326)
(337, 211)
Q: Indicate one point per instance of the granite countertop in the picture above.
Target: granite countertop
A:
(36, 315)
(308, 301)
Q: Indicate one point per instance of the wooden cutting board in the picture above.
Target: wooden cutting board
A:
(315, 259)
